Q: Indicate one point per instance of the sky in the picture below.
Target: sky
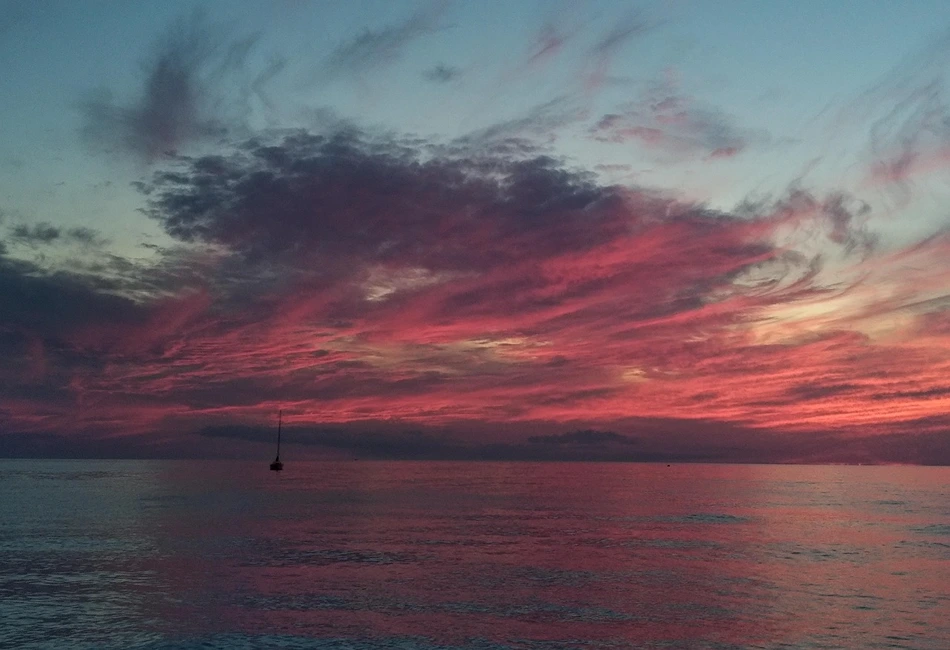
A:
(660, 231)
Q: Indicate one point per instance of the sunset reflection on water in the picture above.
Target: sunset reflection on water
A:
(473, 555)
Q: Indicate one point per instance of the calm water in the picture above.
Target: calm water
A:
(158, 554)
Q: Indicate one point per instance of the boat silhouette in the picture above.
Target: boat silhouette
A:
(277, 465)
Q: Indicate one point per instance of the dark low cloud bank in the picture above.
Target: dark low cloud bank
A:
(444, 445)
(55, 306)
(583, 437)
(16, 444)
(737, 445)
(45, 347)
(655, 440)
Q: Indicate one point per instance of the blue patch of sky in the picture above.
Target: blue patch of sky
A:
(771, 67)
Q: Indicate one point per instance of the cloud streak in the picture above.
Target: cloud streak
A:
(41, 234)
(442, 73)
(375, 48)
(607, 47)
(673, 126)
(197, 85)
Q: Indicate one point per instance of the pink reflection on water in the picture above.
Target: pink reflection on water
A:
(576, 553)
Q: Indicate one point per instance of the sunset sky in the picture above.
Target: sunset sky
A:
(507, 230)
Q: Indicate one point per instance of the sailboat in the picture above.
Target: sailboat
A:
(277, 465)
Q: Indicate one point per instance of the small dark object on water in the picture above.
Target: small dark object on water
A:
(277, 465)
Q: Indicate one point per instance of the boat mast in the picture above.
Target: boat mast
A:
(279, 413)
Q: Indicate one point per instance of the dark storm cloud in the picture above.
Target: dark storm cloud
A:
(45, 323)
(350, 200)
(196, 85)
(56, 305)
(442, 73)
(375, 48)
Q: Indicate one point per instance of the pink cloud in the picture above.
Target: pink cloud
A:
(361, 284)
(674, 126)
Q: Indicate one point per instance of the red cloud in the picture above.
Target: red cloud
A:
(363, 283)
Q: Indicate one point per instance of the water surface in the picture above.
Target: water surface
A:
(425, 556)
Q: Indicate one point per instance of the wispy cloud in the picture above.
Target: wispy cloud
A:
(675, 127)
(375, 48)
(442, 73)
(907, 117)
(196, 85)
(547, 44)
(541, 125)
(41, 234)
(609, 45)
